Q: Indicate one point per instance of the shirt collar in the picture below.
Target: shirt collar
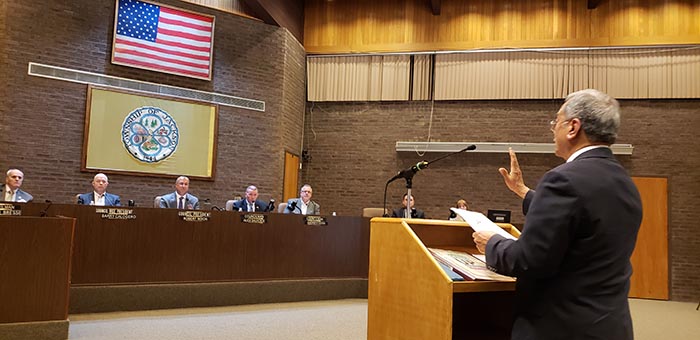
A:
(584, 149)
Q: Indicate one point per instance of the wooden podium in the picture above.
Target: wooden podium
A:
(35, 263)
(411, 297)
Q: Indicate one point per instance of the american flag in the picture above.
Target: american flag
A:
(163, 39)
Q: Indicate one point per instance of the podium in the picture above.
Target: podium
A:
(35, 263)
(411, 297)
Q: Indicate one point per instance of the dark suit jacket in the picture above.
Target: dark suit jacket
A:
(415, 213)
(170, 201)
(20, 196)
(312, 208)
(241, 205)
(572, 259)
(110, 199)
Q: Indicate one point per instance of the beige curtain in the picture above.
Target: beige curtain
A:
(358, 78)
(623, 73)
(661, 72)
(422, 77)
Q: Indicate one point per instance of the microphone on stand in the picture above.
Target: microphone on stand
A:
(131, 203)
(408, 173)
(271, 205)
(44, 212)
(293, 206)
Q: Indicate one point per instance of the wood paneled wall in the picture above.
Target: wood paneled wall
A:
(366, 26)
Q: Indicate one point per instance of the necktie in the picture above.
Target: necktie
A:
(181, 204)
(251, 207)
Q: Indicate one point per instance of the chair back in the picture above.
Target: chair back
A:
(374, 212)
(77, 198)
(156, 202)
(229, 205)
(281, 207)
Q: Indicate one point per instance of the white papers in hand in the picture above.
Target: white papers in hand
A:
(479, 222)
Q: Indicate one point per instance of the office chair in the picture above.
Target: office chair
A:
(156, 202)
(373, 212)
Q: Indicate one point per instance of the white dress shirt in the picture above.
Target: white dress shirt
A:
(99, 199)
(9, 194)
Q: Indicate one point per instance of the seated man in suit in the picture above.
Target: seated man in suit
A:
(180, 199)
(303, 205)
(415, 213)
(11, 189)
(250, 203)
(99, 196)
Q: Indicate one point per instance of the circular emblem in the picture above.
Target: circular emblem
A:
(150, 134)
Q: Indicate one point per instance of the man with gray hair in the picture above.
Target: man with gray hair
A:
(572, 259)
(181, 198)
(11, 191)
(303, 205)
(99, 196)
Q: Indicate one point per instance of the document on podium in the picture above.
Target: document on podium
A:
(479, 222)
(466, 265)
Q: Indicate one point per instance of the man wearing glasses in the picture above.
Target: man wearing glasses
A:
(572, 260)
(303, 205)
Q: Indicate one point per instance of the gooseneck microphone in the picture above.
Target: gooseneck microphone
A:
(44, 212)
(408, 173)
(293, 206)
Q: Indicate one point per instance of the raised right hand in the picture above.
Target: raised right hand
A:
(514, 177)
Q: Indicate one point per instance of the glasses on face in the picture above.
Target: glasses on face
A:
(306, 191)
(553, 123)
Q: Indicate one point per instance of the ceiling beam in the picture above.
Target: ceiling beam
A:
(435, 6)
(260, 11)
(592, 4)
(283, 13)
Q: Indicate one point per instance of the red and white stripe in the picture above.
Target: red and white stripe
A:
(183, 46)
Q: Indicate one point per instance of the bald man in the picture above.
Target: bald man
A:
(99, 196)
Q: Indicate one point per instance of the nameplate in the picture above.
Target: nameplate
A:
(254, 218)
(315, 220)
(194, 216)
(116, 213)
(7, 209)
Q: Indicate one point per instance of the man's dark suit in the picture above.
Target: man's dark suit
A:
(89, 199)
(415, 213)
(241, 205)
(572, 260)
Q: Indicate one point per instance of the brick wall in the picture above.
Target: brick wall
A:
(352, 149)
(41, 127)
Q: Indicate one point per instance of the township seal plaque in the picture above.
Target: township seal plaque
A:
(150, 134)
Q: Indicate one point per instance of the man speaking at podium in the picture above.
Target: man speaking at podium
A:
(572, 260)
